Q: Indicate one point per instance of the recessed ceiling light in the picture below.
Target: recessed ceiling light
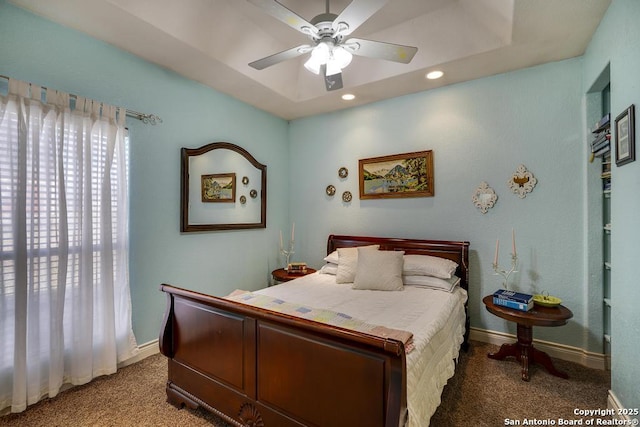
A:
(434, 75)
(348, 97)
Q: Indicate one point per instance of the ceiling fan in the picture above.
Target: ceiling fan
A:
(330, 50)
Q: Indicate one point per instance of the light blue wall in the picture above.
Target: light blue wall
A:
(617, 44)
(39, 51)
(479, 131)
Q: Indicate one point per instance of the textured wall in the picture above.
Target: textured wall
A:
(479, 131)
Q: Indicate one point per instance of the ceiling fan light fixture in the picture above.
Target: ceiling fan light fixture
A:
(313, 65)
(333, 68)
(341, 56)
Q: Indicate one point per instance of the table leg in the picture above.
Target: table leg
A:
(526, 354)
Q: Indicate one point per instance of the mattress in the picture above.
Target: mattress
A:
(435, 318)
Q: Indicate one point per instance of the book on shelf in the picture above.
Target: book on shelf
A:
(602, 123)
(600, 142)
(602, 151)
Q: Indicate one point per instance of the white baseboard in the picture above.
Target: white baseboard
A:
(560, 351)
(145, 350)
(614, 404)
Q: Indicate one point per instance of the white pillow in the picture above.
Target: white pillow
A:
(447, 285)
(379, 270)
(329, 268)
(426, 265)
(348, 262)
(334, 258)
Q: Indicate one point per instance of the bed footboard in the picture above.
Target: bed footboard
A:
(256, 367)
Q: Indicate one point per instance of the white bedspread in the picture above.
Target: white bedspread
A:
(435, 318)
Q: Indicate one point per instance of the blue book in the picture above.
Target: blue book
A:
(513, 296)
(521, 306)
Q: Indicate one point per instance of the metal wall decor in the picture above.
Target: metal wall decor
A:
(484, 197)
(346, 196)
(343, 172)
(522, 182)
(330, 190)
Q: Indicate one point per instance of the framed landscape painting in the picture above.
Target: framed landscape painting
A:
(219, 188)
(395, 176)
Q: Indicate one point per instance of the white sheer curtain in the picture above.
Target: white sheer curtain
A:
(65, 310)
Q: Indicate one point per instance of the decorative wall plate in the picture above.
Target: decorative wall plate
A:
(253, 194)
(346, 196)
(522, 182)
(245, 180)
(484, 197)
(330, 190)
(343, 172)
(243, 199)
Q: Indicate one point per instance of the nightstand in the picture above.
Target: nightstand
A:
(282, 275)
(523, 349)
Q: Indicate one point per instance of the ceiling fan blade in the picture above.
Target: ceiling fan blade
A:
(276, 58)
(332, 82)
(281, 13)
(355, 14)
(380, 50)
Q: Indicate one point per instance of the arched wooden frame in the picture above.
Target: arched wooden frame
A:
(185, 202)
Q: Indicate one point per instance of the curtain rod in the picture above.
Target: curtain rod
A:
(151, 119)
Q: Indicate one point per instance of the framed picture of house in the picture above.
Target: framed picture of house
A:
(218, 188)
(398, 175)
(625, 137)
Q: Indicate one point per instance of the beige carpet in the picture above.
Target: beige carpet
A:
(483, 392)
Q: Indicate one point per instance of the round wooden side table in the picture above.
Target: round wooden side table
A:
(523, 349)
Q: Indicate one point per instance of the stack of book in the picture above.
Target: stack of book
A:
(297, 268)
(511, 299)
(601, 137)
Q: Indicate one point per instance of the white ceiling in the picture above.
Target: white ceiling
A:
(212, 41)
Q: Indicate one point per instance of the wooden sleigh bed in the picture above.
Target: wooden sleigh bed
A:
(257, 367)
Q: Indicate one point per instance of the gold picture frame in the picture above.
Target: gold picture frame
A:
(397, 176)
(218, 188)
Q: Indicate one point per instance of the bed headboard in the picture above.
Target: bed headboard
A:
(455, 251)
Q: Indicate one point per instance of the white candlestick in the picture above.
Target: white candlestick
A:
(495, 258)
(513, 241)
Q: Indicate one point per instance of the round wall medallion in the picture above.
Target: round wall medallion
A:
(253, 194)
(330, 190)
(346, 196)
(245, 180)
(343, 172)
(243, 199)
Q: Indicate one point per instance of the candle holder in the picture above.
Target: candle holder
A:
(498, 271)
(287, 253)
